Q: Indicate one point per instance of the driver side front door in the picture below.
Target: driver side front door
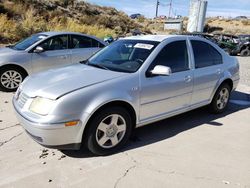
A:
(56, 54)
(163, 95)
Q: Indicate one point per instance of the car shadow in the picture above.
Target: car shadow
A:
(173, 126)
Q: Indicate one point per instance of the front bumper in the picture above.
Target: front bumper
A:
(53, 135)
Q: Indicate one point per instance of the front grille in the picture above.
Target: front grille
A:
(22, 99)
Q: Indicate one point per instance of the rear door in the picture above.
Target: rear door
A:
(208, 70)
(56, 54)
(82, 47)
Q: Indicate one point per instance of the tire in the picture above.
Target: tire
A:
(103, 134)
(10, 78)
(220, 99)
(245, 53)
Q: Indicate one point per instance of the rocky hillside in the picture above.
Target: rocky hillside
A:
(21, 18)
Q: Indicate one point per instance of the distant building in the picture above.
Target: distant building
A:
(174, 24)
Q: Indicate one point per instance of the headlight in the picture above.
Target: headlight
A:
(41, 105)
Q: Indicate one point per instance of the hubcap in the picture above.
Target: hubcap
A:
(111, 131)
(223, 98)
(11, 79)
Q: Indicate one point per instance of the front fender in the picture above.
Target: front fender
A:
(25, 65)
(89, 100)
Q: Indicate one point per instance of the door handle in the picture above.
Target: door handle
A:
(63, 57)
(187, 79)
(218, 71)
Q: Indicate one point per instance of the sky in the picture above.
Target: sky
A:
(226, 8)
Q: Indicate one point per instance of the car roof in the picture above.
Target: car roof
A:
(52, 33)
(158, 38)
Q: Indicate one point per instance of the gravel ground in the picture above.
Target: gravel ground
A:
(244, 70)
(195, 149)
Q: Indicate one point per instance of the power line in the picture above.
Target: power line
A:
(170, 4)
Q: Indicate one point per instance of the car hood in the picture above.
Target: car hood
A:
(55, 83)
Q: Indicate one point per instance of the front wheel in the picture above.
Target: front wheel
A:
(221, 99)
(109, 130)
(11, 78)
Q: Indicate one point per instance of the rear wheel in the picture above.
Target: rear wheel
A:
(221, 99)
(11, 78)
(109, 130)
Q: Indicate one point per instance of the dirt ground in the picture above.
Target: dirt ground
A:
(195, 149)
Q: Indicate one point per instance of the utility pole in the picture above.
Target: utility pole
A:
(157, 6)
(170, 7)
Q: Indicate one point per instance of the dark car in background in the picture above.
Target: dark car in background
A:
(135, 16)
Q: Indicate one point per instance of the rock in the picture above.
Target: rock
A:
(44, 162)
(44, 153)
(63, 156)
(226, 182)
(50, 180)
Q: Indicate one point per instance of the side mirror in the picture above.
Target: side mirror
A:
(38, 49)
(160, 70)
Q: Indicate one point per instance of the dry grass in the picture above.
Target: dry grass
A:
(231, 26)
(22, 18)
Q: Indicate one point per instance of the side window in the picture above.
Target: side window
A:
(97, 44)
(205, 55)
(55, 43)
(84, 42)
(173, 55)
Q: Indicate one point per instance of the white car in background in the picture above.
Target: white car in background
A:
(44, 51)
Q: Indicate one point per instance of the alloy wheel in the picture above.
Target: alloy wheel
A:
(11, 79)
(223, 98)
(111, 131)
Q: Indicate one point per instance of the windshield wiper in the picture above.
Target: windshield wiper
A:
(98, 66)
(84, 62)
(9, 46)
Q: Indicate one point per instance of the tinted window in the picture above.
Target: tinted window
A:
(173, 55)
(59, 42)
(205, 54)
(84, 42)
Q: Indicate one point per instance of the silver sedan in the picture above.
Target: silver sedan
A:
(133, 82)
(43, 51)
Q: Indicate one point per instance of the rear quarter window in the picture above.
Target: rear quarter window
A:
(205, 54)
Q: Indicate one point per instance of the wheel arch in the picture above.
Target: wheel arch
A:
(15, 66)
(227, 80)
(119, 103)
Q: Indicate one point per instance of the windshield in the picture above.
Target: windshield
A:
(123, 55)
(24, 44)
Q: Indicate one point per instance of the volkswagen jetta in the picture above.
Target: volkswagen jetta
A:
(133, 82)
